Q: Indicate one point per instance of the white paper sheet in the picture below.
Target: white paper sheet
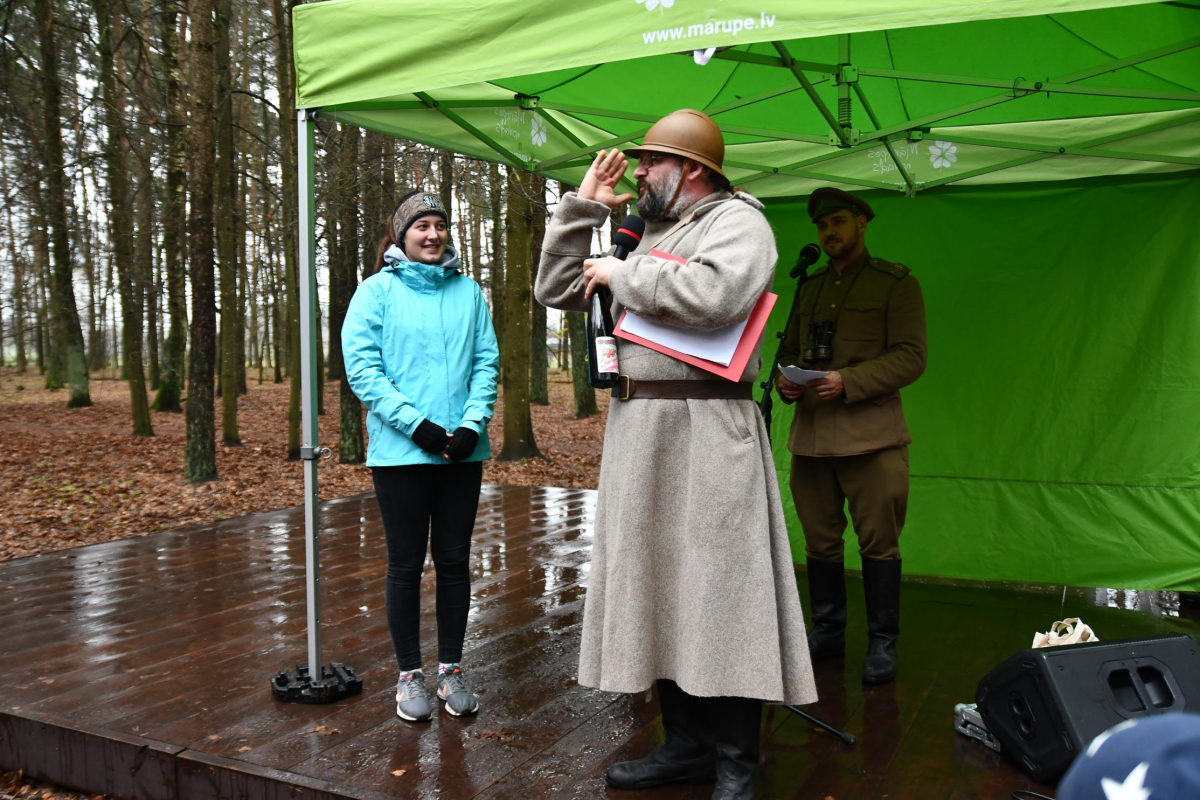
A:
(716, 345)
(800, 375)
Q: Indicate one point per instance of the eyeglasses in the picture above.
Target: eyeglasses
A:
(652, 159)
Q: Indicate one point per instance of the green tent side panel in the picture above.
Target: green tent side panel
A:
(1057, 427)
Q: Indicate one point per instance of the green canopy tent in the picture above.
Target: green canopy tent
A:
(1034, 162)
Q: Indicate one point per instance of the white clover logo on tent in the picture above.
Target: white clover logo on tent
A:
(537, 131)
(942, 154)
(653, 4)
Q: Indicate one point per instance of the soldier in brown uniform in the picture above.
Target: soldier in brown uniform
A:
(849, 438)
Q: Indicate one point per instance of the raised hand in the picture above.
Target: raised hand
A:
(602, 177)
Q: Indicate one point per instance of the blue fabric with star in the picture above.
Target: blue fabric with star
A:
(1148, 758)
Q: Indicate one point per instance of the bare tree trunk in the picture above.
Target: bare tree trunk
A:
(462, 216)
(388, 190)
(153, 293)
(343, 279)
(170, 387)
(66, 315)
(199, 458)
(375, 205)
(585, 395)
(518, 424)
(281, 11)
(121, 221)
(539, 389)
(224, 202)
(41, 305)
(144, 197)
(18, 287)
(576, 324)
(496, 278)
(475, 199)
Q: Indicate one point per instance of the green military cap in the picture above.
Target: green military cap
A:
(828, 199)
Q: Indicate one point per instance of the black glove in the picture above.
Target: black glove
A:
(463, 444)
(430, 437)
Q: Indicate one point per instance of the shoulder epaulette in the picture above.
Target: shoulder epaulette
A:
(897, 271)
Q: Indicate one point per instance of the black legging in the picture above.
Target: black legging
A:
(410, 498)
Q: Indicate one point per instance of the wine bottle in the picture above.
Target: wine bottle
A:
(602, 345)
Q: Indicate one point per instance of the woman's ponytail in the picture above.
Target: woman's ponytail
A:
(389, 239)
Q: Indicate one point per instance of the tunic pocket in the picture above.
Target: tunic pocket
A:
(739, 424)
(862, 322)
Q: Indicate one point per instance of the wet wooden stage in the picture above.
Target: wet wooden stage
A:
(140, 668)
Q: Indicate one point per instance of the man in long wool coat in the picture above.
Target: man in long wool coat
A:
(692, 584)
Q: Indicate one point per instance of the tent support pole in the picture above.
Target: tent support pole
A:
(314, 682)
(811, 91)
(766, 133)
(910, 188)
(587, 150)
(575, 140)
(1148, 55)
(308, 383)
(1079, 148)
(845, 103)
(1076, 150)
(506, 156)
(795, 167)
(1031, 87)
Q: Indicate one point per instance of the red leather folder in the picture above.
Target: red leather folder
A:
(745, 346)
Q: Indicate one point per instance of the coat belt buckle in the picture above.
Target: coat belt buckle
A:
(626, 387)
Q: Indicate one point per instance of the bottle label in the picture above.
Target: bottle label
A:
(606, 354)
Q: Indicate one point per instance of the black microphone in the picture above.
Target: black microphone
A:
(809, 255)
(628, 236)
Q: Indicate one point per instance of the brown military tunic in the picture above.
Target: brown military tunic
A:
(879, 346)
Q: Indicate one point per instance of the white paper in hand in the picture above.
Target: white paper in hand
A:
(801, 376)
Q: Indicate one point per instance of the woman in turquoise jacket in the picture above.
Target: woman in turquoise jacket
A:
(421, 354)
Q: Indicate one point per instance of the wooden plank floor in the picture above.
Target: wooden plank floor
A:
(140, 668)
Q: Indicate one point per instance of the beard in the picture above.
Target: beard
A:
(653, 206)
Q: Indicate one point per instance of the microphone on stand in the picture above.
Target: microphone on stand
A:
(809, 255)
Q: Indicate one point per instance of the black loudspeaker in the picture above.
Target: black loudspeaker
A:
(1045, 706)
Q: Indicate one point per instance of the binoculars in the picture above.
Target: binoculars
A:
(818, 346)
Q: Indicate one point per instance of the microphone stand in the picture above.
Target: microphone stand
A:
(800, 270)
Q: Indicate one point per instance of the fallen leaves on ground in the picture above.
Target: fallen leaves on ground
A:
(15, 786)
(71, 477)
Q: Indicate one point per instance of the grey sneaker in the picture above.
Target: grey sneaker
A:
(453, 689)
(411, 702)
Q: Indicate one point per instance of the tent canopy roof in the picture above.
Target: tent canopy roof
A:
(938, 91)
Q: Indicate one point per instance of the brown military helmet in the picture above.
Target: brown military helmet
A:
(688, 133)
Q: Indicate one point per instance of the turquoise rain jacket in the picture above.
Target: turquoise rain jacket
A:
(418, 343)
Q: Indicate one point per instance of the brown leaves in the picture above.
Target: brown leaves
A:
(71, 477)
(16, 785)
(504, 735)
(325, 730)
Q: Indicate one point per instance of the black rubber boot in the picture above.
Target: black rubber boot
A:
(881, 585)
(688, 753)
(736, 722)
(827, 602)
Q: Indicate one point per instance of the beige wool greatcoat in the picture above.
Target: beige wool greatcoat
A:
(691, 577)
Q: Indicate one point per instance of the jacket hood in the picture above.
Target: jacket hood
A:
(418, 274)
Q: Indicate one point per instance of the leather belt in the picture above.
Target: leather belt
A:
(629, 389)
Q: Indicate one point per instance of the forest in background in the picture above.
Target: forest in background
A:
(148, 172)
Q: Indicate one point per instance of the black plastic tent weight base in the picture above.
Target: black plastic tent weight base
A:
(337, 681)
